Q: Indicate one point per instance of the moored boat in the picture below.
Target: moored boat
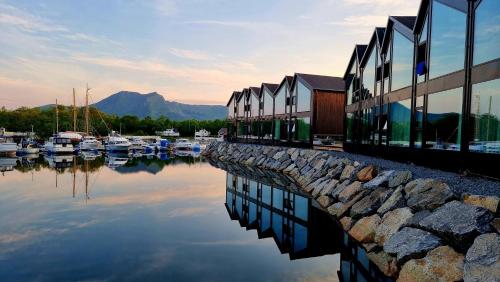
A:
(170, 132)
(162, 145)
(89, 143)
(117, 143)
(59, 145)
(185, 144)
(7, 147)
(28, 147)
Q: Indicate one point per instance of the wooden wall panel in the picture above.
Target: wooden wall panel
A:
(329, 113)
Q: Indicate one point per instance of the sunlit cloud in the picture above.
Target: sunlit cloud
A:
(189, 54)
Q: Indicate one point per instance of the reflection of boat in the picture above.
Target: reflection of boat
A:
(7, 164)
(169, 133)
(162, 145)
(163, 156)
(59, 161)
(136, 143)
(89, 155)
(116, 143)
(28, 147)
(89, 143)
(185, 144)
(7, 147)
(184, 153)
(59, 145)
(114, 161)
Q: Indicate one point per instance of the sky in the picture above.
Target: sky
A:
(190, 51)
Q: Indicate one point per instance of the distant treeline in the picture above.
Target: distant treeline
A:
(44, 122)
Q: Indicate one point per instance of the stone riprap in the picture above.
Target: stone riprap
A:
(406, 225)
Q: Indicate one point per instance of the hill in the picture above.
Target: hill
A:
(154, 105)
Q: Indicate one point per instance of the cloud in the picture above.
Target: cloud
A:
(362, 21)
(189, 54)
(165, 7)
(13, 16)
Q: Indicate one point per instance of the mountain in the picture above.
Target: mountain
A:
(154, 105)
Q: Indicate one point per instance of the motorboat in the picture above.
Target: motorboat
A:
(73, 136)
(162, 145)
(89, 143)
(136, 143)
(59, 145)
(169, 133)
(28, 146)
(7, 147)
(201, 134)
(117, 143)
(185, 144)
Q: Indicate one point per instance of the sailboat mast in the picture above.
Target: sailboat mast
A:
(74, 110)
(87, 110)
(57, 118)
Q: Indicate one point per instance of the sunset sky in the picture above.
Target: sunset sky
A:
(192, 51)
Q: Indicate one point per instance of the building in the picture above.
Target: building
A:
(281, 113)
(232, 113)
(241, 117)
(429, 92)
(253, 114)
(266, 112)
(316, 109)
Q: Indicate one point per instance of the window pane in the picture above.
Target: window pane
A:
(303, 129)
(255, 105)
(402, 62)
(268, 103)
(304, 98)
(447, 40)
(485, 117)
(400, 123)
(487, 32)
(349, 127)
(444, 120)
(279, 101)
(369, 77)
(241, 107)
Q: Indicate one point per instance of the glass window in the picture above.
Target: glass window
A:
(369, 77)
(423, 34)
(268, 103)
(487, 31)
(304, 97)
(279, 101)
(444, 120)
(447, 40)
(303, 130)
(349, 127)
(278, 198)
(254, 105)
(301, 207)
(241, 107)
(399, 123)
(402, 62)
(485, 117)
(266, 194)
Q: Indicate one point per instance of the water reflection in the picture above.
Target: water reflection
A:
(275, 208)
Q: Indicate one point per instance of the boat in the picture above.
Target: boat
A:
(117, 143)
(28, 146)
(136, 143)
(73, 136)
(169, 133)
(59, 145)
(6, 147)
(7, 164)
(89, 143)
(185, 144)
(201, 134)
(162, 145)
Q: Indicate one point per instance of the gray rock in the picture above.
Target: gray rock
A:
(417, 218)
(337, 171)
(427, 194)
(380, 180)
(396, 200)
(339, 209)
(350, 191)
(347, 173)
(482, 261)
(328, 187)
(458, 222)
(295, 155)
(319, 187)
(411, 243)
(370, 203)
(399, 178)
(340, 187)
(391, 223)
(325, 201)
(319, 164)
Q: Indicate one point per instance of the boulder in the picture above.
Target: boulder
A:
(482, 261)
(318, 164)
(458, 222)
(399, 178)
(371, 247)
(415, 220)
(490, 203)
(381, 180)
(411, 243)
(339, 209)
(319, 186)
(350, 191)
(385, 262)
(346, 223)
(336, 171)
(339, 188)
(325, 201)
(367, 173)
(391, 223)
(440, 264)
(369, 204)
(427, 194)
(279, 155)
(347, 173)
(495, 223)
(329, 186)
(396, 200)
(364, 230)
(310, 188)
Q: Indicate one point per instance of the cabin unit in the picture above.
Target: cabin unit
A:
(281, 117)
(232, 113)
(253, 114)
(316, 108)
(429, 92)
(266, 112)
(241, 118)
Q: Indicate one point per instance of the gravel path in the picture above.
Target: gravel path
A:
(459, 183)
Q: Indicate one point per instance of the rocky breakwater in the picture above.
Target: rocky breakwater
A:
(412, 229)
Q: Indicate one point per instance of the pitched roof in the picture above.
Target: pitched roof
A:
(235, 95)
(380, 34)
(286, 80)
(322, 82)
(360, 50)
(289, 80)
(271, 86)
(243, 93)
(409, 22)
(255, 90)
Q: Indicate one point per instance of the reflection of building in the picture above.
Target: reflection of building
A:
(297, 225)
(422, 86)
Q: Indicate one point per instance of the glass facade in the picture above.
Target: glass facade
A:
(399, 122)
(369, 76)
(349, 123)
(444, 120)
(303, 95)
(268, 103)
(254, 105)
(280, 101)
(447, 53)
(487, 32)
(402, 62)
(303, 129)
(241, 107)
(485, 117)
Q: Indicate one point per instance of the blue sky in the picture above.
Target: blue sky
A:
(193, 51)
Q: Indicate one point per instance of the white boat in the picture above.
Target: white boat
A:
(89, 143)
(59, 145)
(185, 144)
(169, 133)
(73, 136)
(136, 143)
(7, 147)
(201, 134)
(162, 145)
(115, 162)
(28, 147)
(116, 143)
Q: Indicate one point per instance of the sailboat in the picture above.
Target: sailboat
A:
(58, 144)
(89, 142)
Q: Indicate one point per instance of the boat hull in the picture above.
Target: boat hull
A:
(117, 148)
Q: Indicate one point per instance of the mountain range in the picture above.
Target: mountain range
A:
(154, 105)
